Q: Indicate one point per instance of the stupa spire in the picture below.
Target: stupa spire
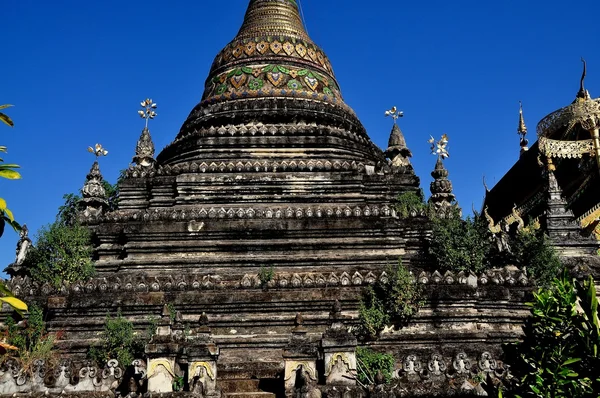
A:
(275, 17)
(397, 151)
(442, 200)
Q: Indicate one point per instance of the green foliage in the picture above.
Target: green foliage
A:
(460, 245)
(118, 342)
(7, 171)
(30, 338)
(394, 300)
(172, 311)
(4, 117)
(61, 253)
(410, 202)
(178, 383)
(370, 362)
(266, 274)
(559, 356)
(533, 250)
(371, 314)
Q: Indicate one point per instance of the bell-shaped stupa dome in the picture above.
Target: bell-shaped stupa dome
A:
(271, 94)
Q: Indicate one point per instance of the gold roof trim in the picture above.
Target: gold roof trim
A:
(566, 149)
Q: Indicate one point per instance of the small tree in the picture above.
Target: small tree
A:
(61, 253)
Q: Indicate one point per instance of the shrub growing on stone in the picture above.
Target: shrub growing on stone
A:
(370, 362)
(391, 301)
(460, 245)
(532, 249)
(118, 342)
(30, 338)
(410, 202)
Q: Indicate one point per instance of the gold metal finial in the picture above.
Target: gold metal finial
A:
(522, 130)
(394, 113)
(98, 150)
(522, 127)
(147, 112)
(439, 148)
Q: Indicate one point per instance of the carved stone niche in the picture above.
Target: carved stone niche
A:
(202, 356)
(339, 351)
(161, 374)
(300, 358)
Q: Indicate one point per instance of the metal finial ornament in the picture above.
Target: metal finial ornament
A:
(394, 113)
(522, 130)
(98, 150)
(439, 148)
(147, 112)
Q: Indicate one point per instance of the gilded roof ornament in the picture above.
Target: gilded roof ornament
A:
(148, 110)
(394, 113)
(583, 112)
(522, 130)
(439, 148)
(98, 150)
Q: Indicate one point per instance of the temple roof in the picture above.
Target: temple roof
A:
(271, 73)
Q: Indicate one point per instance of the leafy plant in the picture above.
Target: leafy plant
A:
(410, 202)
(391, 301)
(533, 250)
(172, 312)
(4, 117)
(178, 383)
(118, 342)
(29, 338)
(559, 356)
(370, 362)
(266, 274)
(61, 253)
(7, 171)
(460, 245)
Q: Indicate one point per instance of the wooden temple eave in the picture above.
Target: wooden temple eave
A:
(522, 186)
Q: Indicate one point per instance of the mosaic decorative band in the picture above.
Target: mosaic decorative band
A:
(274, 48)
(269, 81)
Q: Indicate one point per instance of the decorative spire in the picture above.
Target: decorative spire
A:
(522, 130)
(583, 93)
(94, 200)
(442, 199)
(144, 150)
(275, 17)
(397, 150)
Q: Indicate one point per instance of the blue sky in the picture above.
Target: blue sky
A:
(77, 70)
